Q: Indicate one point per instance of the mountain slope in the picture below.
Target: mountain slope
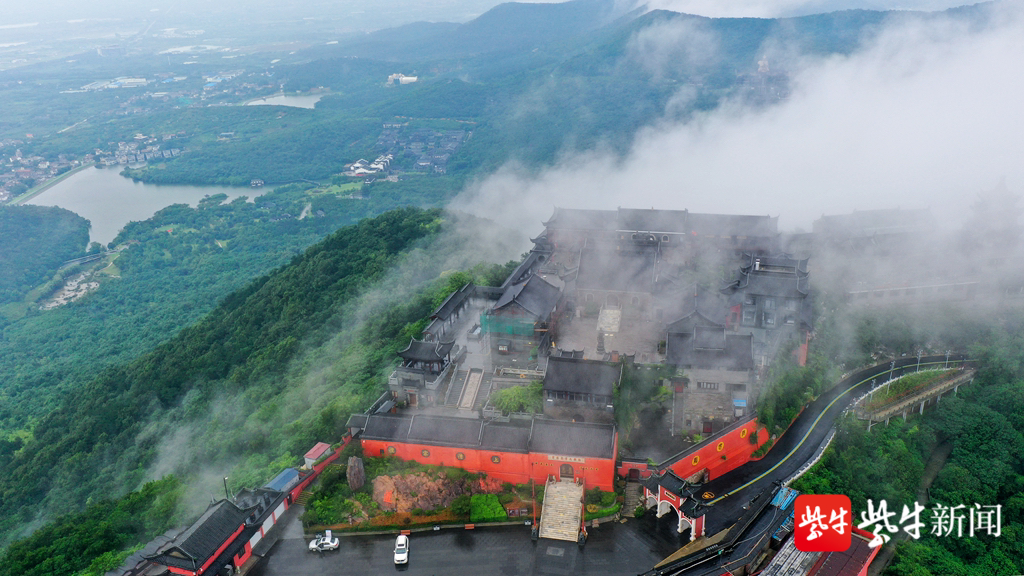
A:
(101, 438)
(508, 28)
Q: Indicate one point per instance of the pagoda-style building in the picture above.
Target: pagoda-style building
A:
(424, 367)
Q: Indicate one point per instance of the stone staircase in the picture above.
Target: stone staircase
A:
(633, 497)
(455, 388)
(563, 509)
(471, 389)
(483, 394)
(304, 497)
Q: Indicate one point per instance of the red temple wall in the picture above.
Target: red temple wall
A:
(513, 467)
(724, 454)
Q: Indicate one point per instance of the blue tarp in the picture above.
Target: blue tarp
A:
(284, 481)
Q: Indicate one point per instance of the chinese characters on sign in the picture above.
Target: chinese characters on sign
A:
(822, 522)
(945, 521)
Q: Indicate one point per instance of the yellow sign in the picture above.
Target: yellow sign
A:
(708, 495)
(567, 459)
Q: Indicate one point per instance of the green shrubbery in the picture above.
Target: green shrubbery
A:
(597, 497)
(486, 508)
(529, 398)
(462, 506)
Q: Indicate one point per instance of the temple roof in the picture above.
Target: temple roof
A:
(535, 295)
(706, 309)
(581, 376)
(453, 302)
(577, 219)
(675, 221)
(736, 351)
(536, 435)
(669, 480)
(193, 547)
(783, 263)
(733, 225)
(419, 351)
(632, 271)
(573, 439)
(708, 338)
(866, 223)
(669, 221)
(776, 276)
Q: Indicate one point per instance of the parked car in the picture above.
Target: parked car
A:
(325, 541)
(402, 549)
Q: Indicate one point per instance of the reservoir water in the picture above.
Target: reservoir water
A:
(110, 201)
(303, 101)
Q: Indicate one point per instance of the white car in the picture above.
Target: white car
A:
(325, 541)
(402, 550)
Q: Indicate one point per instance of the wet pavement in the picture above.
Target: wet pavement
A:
(613, 548)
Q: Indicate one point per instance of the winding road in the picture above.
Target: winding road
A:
(724, 498)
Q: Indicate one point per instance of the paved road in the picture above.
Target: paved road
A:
(730, 492)
(612, 549)
(726, 495)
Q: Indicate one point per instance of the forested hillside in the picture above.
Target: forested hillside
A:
(982, 431)
(93, 444)
(178, 265)
(36, 239)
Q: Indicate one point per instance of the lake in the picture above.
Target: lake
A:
(305, 101)
(110, 201)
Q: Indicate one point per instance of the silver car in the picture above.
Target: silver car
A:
(325, 541)
(402, 549)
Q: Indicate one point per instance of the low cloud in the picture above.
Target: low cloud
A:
(925, 115)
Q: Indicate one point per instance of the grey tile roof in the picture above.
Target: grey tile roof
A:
(733, 225)
(535, 295)
(194, 546)
(537, 435)
(573, 439)
(453, 302)
(387, 427)
(866, 223)
(512, 436)
(708, 338)
(737, 354)
(419, 351)
(669, 480)
(632, 271)
(576, 219)
(695, 318)
(445, 430)
(581, 376)
(653, 220)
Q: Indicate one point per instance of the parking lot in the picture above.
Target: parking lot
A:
(613, 548)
